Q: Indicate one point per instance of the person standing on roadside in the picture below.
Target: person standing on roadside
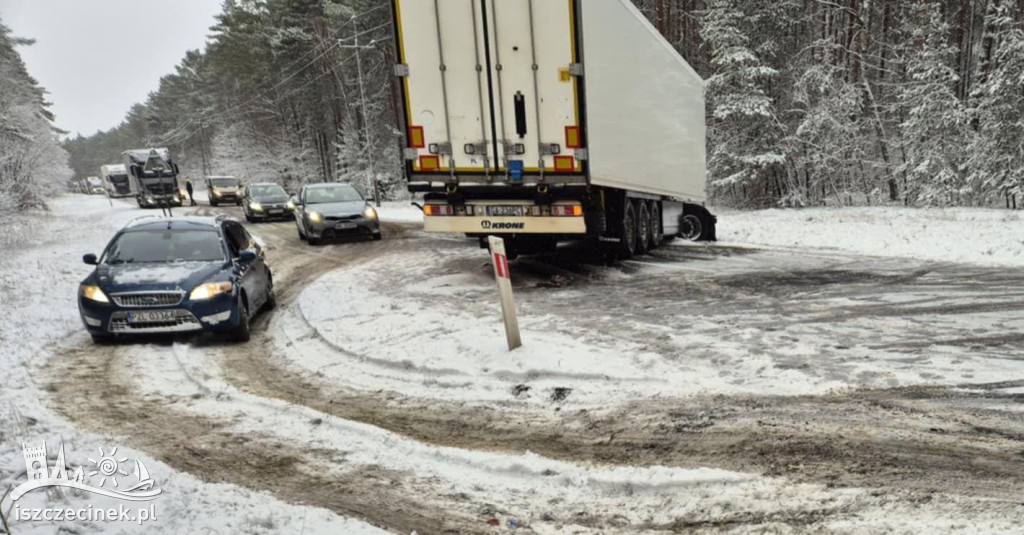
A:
(188, 188)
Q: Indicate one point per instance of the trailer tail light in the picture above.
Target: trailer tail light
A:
(565, 163)
(438, 210)
(572, 137)
(430, 163)
(416, 140)
(573, 210)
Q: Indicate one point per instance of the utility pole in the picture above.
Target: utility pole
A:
(362, 100)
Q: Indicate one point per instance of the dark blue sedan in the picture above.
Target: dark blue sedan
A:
(176, 275)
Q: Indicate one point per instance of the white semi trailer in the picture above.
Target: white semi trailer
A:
(551, 120)
(116, 181)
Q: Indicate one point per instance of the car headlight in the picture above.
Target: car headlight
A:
(291, 205)
(176, 198)
(370, 213)
(93, 293)
(316, 217)
(215, 192)
(255, 206)
(209, 290)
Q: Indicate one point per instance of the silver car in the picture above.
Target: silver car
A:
(334, 210)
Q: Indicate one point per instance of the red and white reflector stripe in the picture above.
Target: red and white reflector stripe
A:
(501, 265)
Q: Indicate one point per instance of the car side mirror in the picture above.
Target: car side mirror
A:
(90, 259)
(246, 256)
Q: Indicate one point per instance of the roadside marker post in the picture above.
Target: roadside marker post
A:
(504, 279)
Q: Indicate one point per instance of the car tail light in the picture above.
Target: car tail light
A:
(573, 210)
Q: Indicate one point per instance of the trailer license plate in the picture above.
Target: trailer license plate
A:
(506, 211)
(152, 316)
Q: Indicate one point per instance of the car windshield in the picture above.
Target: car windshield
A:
(224, 182)
(332, 194)
(267, 191)
(162, 246)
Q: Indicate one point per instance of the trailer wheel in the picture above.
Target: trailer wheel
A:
(627, 241)
(697, 224)
(691, 227)
(657, 228)
(643, 228)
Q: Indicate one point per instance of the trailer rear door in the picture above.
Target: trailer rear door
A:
(490, 89)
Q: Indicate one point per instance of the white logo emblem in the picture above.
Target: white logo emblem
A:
(136, 486)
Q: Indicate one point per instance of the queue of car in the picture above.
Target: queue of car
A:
(183, 275)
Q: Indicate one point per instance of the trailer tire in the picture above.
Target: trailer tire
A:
(627, 238)
(643, 227)
(697, 224)
(657, 226)
(691, 228)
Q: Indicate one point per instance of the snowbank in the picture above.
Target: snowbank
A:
(969, 235)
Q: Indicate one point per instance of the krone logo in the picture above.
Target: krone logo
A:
(487, 225)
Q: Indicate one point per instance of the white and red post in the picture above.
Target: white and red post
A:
(504, 279)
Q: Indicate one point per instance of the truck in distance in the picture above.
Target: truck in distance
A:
(115, 180)
(154, 177)
(545, 121)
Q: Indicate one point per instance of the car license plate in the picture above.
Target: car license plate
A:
(277, 211)
(152, 316)
(345, 226)
(506, 211)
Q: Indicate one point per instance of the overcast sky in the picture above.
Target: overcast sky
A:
(98, 57)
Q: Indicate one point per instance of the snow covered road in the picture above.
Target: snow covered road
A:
(701, 388)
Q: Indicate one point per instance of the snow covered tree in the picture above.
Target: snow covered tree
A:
(31, 159)
(934, 130)
(744, 151)
(997, 152)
